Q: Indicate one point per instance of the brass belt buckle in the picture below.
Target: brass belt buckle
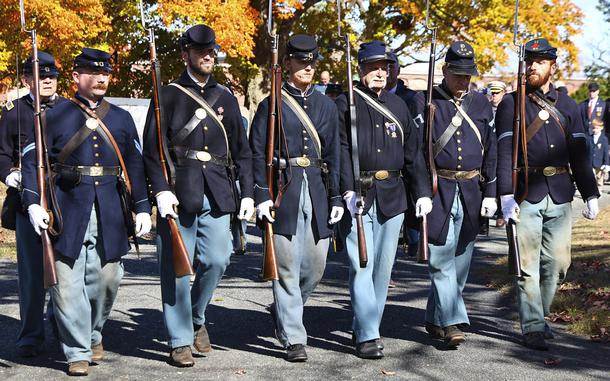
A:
(203, 156)
(382, 175)
(303, 161)
(96, 171)
(549, 171)
(461, 175)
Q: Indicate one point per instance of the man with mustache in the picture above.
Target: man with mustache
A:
(203, 133)
(309, 159)
(81, 136)
(557, 156)
(388, 149)
(464, 149)
(17, 128)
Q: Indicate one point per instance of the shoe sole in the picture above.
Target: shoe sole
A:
(455, 341)
(180, 365)
(297, 359)
(205, 349)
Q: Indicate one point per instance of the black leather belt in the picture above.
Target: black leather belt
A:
(301, 161)
(547, 171)
(205, 156)
(381, 174)
(86, 170)
(457, 175)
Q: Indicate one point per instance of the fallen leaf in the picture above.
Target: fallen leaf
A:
(387, 372)
(241, 372)
(552, 361)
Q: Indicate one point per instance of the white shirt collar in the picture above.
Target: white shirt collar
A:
(199, 83)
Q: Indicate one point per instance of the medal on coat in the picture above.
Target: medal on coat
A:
(390, 129)
(219, 111)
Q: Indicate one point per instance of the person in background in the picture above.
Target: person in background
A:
(599, 152)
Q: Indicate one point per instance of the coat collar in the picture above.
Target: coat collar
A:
(297, 92)
(186, 80)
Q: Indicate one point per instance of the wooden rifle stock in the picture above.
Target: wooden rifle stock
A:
(48, 254)
(180, 255)
(270, 271)
(519, 138)
(423, 254)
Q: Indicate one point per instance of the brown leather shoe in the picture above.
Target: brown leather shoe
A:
(78, 368)
(182, 357)
(98, 352)
(435, 331)
(202, 340)
(453, 336)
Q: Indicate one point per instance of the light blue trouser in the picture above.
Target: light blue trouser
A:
(369, 286)
(448, 267)
(83, 297)
(301, 262)
(544, 244)
(31, 288)
(208, 240)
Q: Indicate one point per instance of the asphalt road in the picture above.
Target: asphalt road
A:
(244, 347)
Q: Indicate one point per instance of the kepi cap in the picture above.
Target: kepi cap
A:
(46, 64)
(459, 59)
(93, 59)
(303, 48)
(374, 51)
(199, 36)
(540, 47)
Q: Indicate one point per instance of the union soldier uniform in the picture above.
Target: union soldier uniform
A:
(309, 166)
(204, 135)
(388, 150)
(557, 156)
(94, 237)
(16, 129)
(464, 149)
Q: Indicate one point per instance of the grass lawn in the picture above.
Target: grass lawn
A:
(583, 300)
(7, 237)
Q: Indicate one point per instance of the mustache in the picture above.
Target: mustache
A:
(100, 87)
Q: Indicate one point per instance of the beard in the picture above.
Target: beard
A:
(197, 69)
(538, 79)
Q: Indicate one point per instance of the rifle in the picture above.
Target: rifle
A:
(430, 109)
(274, 126)
(519, 134)
(180, 256)
(48, 254)
(362, 252)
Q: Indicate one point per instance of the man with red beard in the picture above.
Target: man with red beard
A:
(542, 209)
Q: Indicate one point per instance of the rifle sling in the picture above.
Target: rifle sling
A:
(383, 110)
(533, 128)
(461, 113)
(209, 110)
(452, 128)
(305, 120)
(82, 134)
(107, 137)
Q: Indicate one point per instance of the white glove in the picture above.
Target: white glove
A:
(246, 208)
(143, 224)
(489, 207)
(39, 218)
(592, 209)
(166, 201)
(336, 213)
(13, 179)
(604, 168)
(264, 211)
(350, 201)
(510, 208)
(423, 206)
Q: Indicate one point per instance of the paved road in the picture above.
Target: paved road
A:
(244, 346)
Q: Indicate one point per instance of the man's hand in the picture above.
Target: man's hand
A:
(592, 209)
(423, 206)
(489, 207)
(350, 201)
(510, 208)
(263, 211)
(39, 218)
(166, 201)
(336, 213)
(13, 179)
(143, 224)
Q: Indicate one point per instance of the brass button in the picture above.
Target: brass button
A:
(377, 125)
(459, 149)
(204, 166)
(97, 164)
(205, 147)
(97, 183)
(304, 131)
(97, 154)
(305, 139)
(458, 133)
(96, 145)
(547, 122)
(378, 150)
(552, 145)
(305, 106)
(205, 128)
(94, 137)
(459, 141)
(459, 158)
(305, 147)
(459, 166)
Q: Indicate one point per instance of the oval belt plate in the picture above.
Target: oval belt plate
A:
(549, 171)
(382, 175)
(91, 123)
(303, 162)
(456, 121)
(200, 114)
(203, 156)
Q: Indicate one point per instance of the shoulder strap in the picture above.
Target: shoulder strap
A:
(383, 110)
(462, 112)
(206, 106)
(82, 134)
(105, 133)
(305, 120)
(552, 110)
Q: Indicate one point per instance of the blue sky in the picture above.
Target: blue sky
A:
(595, 31)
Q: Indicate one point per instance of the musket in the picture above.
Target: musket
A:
(270, 271)
(362, 252)
(48, 254)
(519, 138)
(430, 109)
(180, 256)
